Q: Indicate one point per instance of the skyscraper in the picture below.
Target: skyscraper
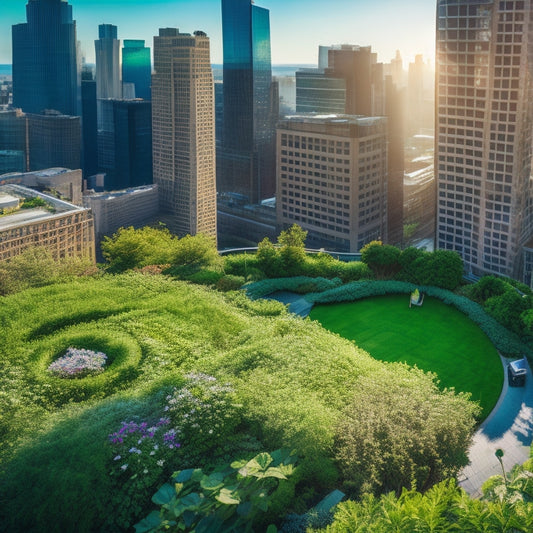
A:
(107, 48)
(183, 131)
(137, 67)
(108, 86)
(247, 163)
(483, 132)
(45, 69)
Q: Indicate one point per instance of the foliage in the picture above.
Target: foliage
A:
(443, 508)
(205, 414)
(505, 341)
(505, 506)
(78, 363)
(30, 203)
(195, 251)
(36, 267)
(143, 456)
(205, 277)
(293, 237)
(485, 288)
(507, 309)
(269, 260)
(132, 248)
(229, 283)
(399, 433)
(229, 499)
(381, 258)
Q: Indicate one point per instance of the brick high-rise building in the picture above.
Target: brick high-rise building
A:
(183, 131)
(483, 132)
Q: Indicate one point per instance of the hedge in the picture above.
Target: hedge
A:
(298, 284)
(505, 342)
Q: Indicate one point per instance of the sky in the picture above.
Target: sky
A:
(297, 27)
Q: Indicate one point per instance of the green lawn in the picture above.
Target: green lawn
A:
(435, 337)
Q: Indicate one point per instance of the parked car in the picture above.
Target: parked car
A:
(516, 372)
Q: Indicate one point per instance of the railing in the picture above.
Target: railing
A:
(341, 256)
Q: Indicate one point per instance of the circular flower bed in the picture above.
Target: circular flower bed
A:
(78, 363)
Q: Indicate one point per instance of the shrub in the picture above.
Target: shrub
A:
(298, 284)
(487, 287)
(205, 277)
(507, 308)
(381, 258)
(229, 283)
(205, 415)
(398, 432)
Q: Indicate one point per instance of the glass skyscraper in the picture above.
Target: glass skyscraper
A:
(137, 67)
(247, 164)
(483, 132)
(45, 70)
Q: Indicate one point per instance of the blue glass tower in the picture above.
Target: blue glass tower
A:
(247, 162)
(45, 70)
(137, 67)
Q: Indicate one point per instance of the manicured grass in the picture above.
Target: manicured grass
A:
(434, 337)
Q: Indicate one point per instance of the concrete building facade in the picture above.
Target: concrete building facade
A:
(183, 131)
(483, 133)
(332, 179)
(65, 229)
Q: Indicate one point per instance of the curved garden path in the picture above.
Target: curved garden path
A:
(509, 426)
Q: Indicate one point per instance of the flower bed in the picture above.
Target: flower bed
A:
(78, 363)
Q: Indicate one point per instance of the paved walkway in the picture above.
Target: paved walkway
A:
(297, 303)
(508, 427)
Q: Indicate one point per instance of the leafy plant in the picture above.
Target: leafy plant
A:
(229, 499)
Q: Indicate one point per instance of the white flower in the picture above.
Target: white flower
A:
(123, 467)
(161, 462)
(117, 458)
(145, 471)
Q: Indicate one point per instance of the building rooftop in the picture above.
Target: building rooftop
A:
(53, 208)
(317, 118)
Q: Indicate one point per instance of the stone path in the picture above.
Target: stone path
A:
(508, 427)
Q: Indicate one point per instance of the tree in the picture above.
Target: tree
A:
(400, 431)
(132, 248)
(381, 258)
(507, 309)
(195, 251)
(294, 236)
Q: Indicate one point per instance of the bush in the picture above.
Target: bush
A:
(485, 288)
(298, 284)
(229, 283)
(398, 433)
(205, 277)
(381, 258)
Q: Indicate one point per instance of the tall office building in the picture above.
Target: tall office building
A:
(54, 140)
(137, 67)
(483, 132)
(247, 163)
(107, 48)
(45, 68)
(332, 179)
(108, 86)
(183, 131)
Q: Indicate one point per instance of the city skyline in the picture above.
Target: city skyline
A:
(297, 28)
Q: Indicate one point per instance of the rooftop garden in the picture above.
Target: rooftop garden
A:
(191, 408)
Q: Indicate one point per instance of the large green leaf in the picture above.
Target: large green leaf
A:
(228, 497)
(274, 472)
(209, 524)
(191, 501)
(150, 523)
(164, 495)
(244, 508)
(263, 460)
(191, 474)
(212, 482)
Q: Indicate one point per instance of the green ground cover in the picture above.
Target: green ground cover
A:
(435, 337)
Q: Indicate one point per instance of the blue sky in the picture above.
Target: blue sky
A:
(297, 27)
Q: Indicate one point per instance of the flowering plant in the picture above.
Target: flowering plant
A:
(78, 363)
(140, 448)
(204, 412)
